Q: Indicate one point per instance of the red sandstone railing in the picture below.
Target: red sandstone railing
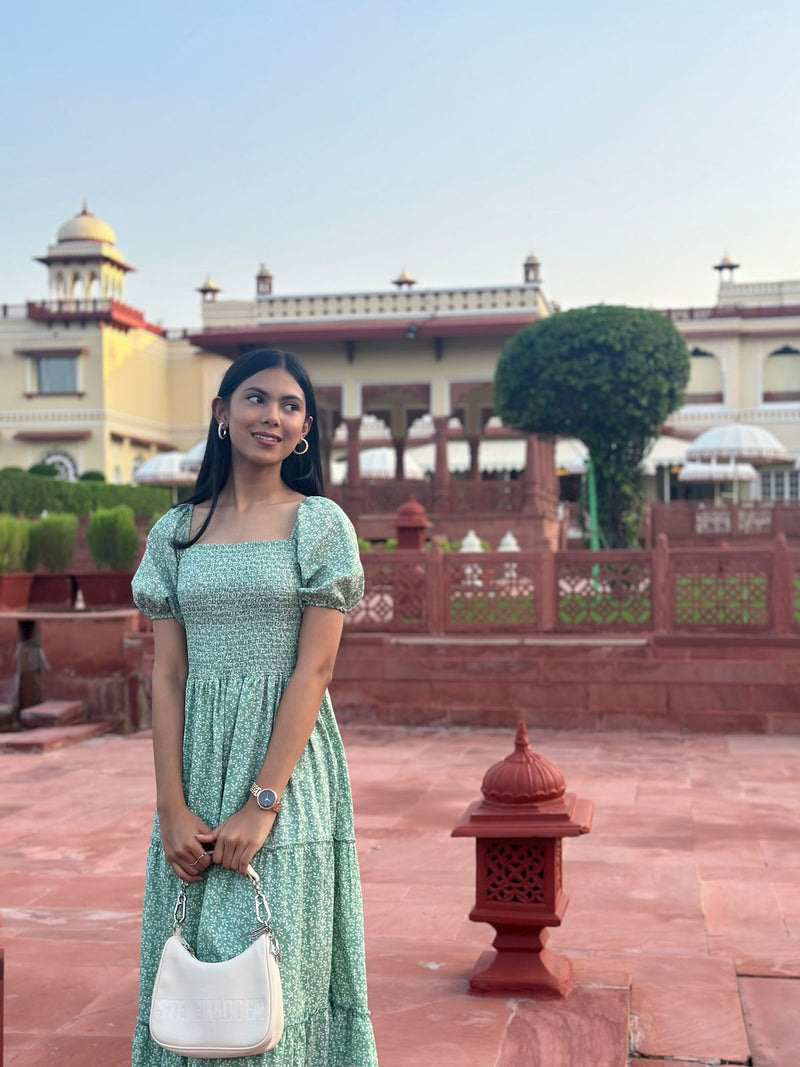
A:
(686, 520)
(459, 497)
(664, 590)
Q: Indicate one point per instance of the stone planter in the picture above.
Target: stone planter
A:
(14, 591)
(106, 589)
(53, 591)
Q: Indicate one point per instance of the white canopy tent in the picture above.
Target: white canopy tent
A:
(506, 454)
(164, 469)
(377, 463)
(737, 441)
(193, 459)
(695, 471)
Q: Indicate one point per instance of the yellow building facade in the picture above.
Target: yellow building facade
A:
(88, 384)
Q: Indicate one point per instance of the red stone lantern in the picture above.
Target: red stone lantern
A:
(519, 826)
(411, 524)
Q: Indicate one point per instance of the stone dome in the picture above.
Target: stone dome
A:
(524, 777)
(86, 227)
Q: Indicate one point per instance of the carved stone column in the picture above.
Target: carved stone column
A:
(400, 456)
(474, 466)
(441, 473)
(353, 486)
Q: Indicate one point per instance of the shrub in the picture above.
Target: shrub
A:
(13, 544)
(364, 545)
(113, 538)
(52, 543)
(22, 493)
(44, 470)
(92, 476)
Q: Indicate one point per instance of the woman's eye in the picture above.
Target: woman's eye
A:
(255, 397)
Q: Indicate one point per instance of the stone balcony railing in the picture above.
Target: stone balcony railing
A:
(440, 302)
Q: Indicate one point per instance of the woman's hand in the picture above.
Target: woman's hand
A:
(181, 833)
(241, 836)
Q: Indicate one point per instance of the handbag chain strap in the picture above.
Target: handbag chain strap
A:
(263, 915)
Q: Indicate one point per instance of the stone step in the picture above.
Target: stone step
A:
(47, 738)
(52, 713)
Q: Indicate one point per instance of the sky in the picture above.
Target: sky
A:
(628, 145)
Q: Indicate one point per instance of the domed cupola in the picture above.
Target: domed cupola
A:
(86, 267)
(524, 777)
(86, 227)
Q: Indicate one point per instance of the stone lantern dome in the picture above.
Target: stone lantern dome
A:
(524, 777)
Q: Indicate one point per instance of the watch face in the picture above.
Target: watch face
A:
(267, 798)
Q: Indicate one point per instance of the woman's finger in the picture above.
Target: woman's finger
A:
(186, 874)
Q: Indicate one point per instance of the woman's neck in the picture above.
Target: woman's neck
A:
(247, 489)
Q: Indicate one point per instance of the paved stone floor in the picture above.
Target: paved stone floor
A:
(683, 926)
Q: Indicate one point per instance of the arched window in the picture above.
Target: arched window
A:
(705, 379)
(782, 376)
(65, 464)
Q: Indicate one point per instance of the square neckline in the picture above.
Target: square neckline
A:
(234, 544)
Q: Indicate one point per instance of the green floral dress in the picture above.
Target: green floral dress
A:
(241, 606)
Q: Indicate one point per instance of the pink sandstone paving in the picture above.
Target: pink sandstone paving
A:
(684, 921)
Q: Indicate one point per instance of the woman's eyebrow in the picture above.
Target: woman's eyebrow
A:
(262, 392)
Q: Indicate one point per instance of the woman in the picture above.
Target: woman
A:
(246, 583)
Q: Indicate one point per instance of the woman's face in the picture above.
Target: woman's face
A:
(265, 416)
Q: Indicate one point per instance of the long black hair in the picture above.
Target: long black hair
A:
(303, 473)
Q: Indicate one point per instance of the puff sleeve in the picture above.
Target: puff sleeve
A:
(331, 575)
(156, 580)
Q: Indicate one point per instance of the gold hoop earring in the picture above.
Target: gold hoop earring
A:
(302, 451)
(222, 432)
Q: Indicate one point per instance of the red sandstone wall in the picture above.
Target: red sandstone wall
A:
(715, 684)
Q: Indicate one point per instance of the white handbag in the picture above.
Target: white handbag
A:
(219, 1010)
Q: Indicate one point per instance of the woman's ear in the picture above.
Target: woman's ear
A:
(219, 409)
(307, 424)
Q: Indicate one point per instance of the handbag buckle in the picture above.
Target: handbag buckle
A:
(179, 914)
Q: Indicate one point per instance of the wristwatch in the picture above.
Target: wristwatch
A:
(267, 799)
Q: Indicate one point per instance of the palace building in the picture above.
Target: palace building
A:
(87, 382)
(90, 384)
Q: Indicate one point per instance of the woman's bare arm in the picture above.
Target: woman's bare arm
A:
(179, 826)
(242, 835)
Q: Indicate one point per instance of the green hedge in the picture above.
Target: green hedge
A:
(113, 538)
(52, 542)
(31, 494)
(13, 544)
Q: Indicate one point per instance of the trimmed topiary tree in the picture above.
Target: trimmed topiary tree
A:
(52, 543)
(14, 535)
(608, 375)
(113, 538)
